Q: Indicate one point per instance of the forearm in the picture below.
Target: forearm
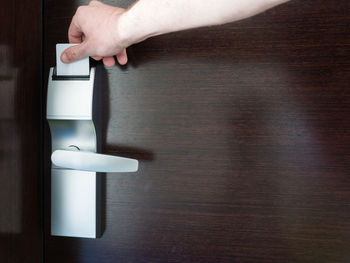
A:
(147, 18)
(104, 31)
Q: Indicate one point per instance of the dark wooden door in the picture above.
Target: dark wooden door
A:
(20, 131)
(243, 137)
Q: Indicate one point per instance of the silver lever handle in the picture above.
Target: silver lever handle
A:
(94, 162)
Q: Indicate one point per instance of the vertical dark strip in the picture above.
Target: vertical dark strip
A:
(41, 139)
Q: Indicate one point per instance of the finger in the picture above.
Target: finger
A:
(109, 61)
(94, 3)
(74, 32)
(96, 57)
(74, 53)
(122, 57)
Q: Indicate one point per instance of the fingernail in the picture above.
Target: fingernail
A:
(64, 58)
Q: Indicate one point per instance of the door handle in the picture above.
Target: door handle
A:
(93, 162)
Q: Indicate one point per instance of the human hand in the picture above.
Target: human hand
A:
(95, 27)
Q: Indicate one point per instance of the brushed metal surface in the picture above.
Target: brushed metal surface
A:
(94, 162)
(73, 203)
(74, 194)
(70, 99)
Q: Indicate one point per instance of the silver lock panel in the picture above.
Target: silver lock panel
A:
(76, 163)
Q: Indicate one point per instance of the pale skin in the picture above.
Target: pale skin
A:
(105, 31)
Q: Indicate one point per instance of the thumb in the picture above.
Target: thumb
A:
(74, 53)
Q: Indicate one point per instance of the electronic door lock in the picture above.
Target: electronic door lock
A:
(76, 155)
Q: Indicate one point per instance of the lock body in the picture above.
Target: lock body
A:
(75, 194)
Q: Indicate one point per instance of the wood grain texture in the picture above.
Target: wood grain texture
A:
(242, 132)
(20, 122)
